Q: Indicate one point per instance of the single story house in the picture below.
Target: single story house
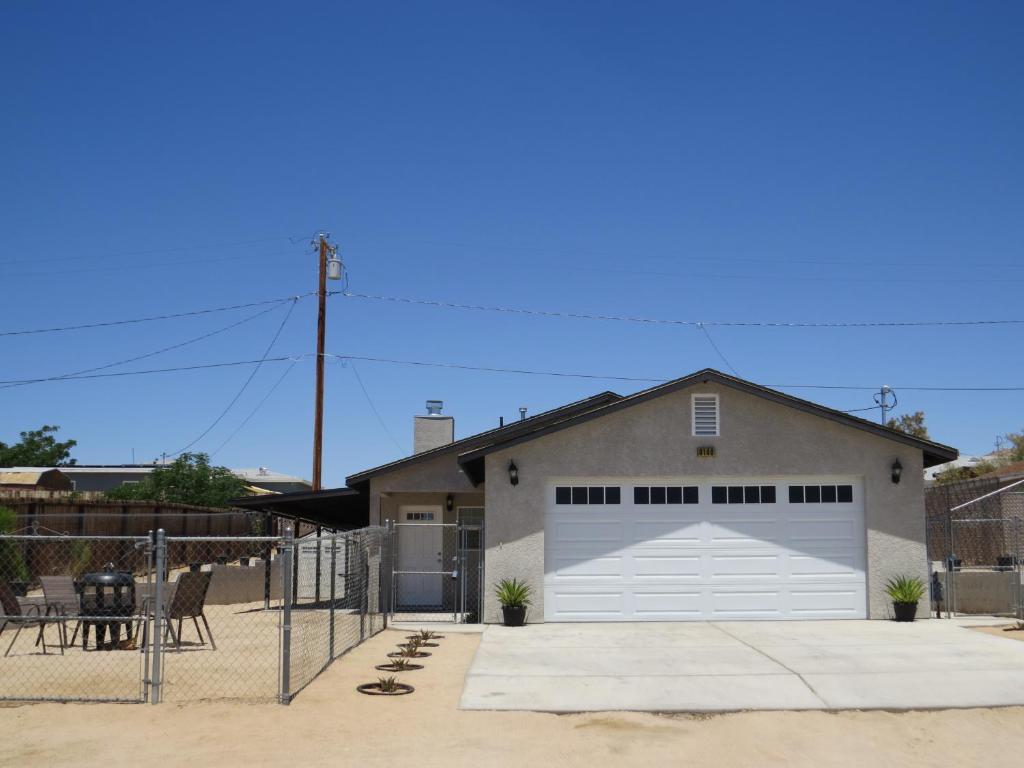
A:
(704, 498)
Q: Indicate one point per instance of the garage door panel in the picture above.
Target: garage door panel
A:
(740, 566)
(763, 603)
(659, 566)
(667, 605)
(684, 532)
(589, 530)
(582, 605)
(601, 567)
(634, 562)
(762, 531)
(842, 565)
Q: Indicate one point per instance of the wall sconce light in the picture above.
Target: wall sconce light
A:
(449, 502)
(513, 473)
(897, 471)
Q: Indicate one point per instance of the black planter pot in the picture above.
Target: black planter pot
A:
(904, 611)
(513, 616)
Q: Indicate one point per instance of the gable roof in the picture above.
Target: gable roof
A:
(471, 450)
(934, 453)
(523, 426)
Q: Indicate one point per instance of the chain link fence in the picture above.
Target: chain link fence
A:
(183, 618)
(976, 547)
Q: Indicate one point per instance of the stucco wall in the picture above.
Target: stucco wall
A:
(425, 482)
(653, 439)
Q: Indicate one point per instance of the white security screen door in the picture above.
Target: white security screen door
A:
(710, 548)
(420, 582)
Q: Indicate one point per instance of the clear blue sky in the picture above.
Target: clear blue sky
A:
(725, 161)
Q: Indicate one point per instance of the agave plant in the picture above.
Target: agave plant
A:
(512, 593)
(400, 664)
(905, 589)
(426, 635)
(387, 684)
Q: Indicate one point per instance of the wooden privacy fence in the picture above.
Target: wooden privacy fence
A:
(58, 517)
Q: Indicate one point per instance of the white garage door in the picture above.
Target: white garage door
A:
(672, 550)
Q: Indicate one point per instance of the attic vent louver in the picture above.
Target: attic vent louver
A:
(705, 415)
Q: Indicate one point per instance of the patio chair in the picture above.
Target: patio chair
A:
(16, 616)
(188, 602)
(62, 599)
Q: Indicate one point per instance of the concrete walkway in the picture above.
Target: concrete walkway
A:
(728, 666)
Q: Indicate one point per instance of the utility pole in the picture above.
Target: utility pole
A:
(882, 398)
(325, 250)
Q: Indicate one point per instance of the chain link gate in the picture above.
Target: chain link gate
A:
(436, 572)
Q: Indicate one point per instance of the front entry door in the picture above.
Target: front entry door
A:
(420, 581)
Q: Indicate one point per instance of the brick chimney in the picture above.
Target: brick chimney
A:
(433, 430)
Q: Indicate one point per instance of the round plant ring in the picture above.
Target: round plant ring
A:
(373, 689)
(401, 655)
(417, 637)
(389, 668)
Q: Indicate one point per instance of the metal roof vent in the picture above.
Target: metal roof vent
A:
(434, 407)
(522, 413)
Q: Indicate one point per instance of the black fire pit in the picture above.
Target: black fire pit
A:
(107, 601)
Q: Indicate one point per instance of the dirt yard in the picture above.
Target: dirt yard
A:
(329, 724)
(1012, 631)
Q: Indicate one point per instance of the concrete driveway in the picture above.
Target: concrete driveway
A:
(728, 666)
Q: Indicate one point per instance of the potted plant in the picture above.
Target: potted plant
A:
(424, 638)
(905, 593)
(514, 596)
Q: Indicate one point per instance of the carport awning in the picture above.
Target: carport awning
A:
(339, 508)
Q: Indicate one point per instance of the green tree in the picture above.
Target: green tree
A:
(38, 448)
(911, 423)
(188, 480)
(1016, 450)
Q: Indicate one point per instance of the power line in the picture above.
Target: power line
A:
(173, 369)
(254, 410)
(155, 251)
(148, 354)
(715, 347)
(146, 265)
(249, 379)
(373, 408)
(664, 321)
(151, 318)
(486, 369)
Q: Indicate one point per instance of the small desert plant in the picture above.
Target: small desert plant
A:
(387, 684)
(426, 635)
(400, 664)
(409, 650)
(905, 589)
(512, 593)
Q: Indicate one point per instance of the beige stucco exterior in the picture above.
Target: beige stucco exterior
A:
(652, 438)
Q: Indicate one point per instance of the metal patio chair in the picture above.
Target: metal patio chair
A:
(188, 602)
(62, 599)
(16, 616)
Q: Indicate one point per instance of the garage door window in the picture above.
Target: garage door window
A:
(821, 494)
(743, 494)
(588, 494)
(670, 494)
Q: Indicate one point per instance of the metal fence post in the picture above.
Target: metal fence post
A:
(156, 676)
(334, 580)
(287, 558)
(146, 661)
